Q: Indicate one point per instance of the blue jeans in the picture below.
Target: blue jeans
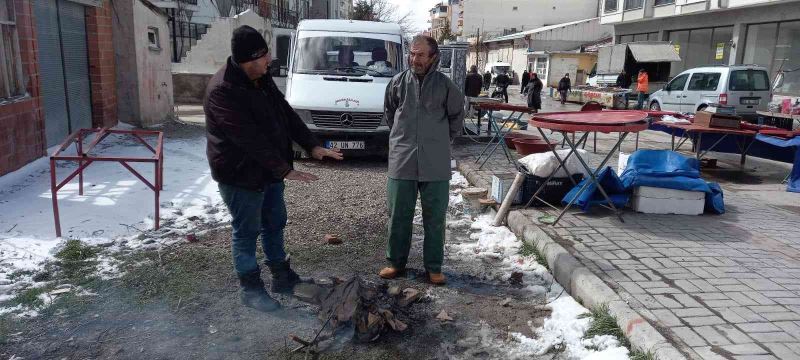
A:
(640, 100)
(255, 213)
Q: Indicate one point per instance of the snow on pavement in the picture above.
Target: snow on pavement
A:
(567, 323)
(116, 209)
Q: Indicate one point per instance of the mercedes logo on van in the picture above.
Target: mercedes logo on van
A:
(346, 120)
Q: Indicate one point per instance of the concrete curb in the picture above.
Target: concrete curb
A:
(584, 285)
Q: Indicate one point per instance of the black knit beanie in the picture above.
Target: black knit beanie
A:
(247, 44)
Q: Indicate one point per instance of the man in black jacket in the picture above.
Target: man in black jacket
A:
(564, 86)
(503, 81)
(487, 80)
(250, 128)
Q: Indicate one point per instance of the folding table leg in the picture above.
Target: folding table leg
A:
(593, 177)
(499, 136)
(54, 195)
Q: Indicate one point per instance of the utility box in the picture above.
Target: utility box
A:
(652, 200)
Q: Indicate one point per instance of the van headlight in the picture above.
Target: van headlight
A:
(305, 115)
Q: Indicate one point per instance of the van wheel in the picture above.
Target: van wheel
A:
(655, 107)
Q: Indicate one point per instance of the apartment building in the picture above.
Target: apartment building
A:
(763, 32)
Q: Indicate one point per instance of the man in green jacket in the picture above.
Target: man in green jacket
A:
(425, 111)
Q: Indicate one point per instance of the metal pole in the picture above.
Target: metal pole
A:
(54, 195)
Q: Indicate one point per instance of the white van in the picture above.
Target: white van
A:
(497, 68)
(337, 80)
(745, 87)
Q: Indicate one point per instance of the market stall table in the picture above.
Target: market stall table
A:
(695, 133)
(613, 121)
(501, 128)
(784, 121)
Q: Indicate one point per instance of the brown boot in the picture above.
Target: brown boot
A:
(390, 272)
(437, 278)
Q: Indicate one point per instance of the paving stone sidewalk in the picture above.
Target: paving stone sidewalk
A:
(718, 286)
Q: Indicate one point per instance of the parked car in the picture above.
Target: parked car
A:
(745, 87)
(338, 73)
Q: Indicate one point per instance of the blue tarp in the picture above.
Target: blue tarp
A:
(655, 168)
(591, 196)
(794, 176)
(663, 169)
(670, 170)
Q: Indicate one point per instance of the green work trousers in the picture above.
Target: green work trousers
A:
(434, 196)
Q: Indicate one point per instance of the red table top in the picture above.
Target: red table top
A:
(703, 129)
(601, 117)
(632, 127)
(605, 121)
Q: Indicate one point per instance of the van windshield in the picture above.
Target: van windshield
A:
(749, 80)
(500, 69)
(348, 56)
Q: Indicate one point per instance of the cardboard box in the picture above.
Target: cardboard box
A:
(501, 183)
(651, 200)
(707, 119)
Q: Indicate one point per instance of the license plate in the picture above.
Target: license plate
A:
(346, 145)
(750, 101)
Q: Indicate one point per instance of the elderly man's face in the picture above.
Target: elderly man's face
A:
(420, 58)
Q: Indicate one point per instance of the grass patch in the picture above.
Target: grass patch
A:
(175, 276)
(603, 323)
(19, 274)
(637, 354)
(75, 263)
(529, 249)
(29, 298)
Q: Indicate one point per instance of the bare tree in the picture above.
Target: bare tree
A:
(382, 11)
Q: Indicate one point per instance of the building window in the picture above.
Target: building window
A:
(610, 5)
(698, 47)
(153, 40)
(662, 2)
(776, 46)
(11, 84)
(633, 4)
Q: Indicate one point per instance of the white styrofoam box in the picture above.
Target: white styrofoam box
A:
(501, 183)
(622, 163)
(453, 164)
(652, 200)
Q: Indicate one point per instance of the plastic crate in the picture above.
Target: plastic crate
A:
(553, 191)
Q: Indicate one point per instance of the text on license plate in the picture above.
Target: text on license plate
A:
(750, 101)
(345, 145)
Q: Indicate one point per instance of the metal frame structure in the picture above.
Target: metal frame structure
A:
(500, 130)
(85, 159)
(744, 138)
(586, 122)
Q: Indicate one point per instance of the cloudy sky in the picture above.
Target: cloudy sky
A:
(419, 10)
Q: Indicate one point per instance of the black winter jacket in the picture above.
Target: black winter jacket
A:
(250, 129)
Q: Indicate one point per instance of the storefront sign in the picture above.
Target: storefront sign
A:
(720, 54)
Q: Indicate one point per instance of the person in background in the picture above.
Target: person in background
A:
(624, 82)
(487, 80)
(425, 112)
(250, 128)
(535, 93)
(564, 85)
(503, 81)
(472, 88)
(525, 80)
(643, 86)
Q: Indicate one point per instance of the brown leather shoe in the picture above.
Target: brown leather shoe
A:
(437, 278)
(390, 272)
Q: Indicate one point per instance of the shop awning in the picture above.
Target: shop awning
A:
(653, 52)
